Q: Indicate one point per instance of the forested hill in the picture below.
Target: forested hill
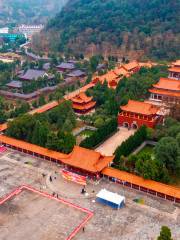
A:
(28, 11)
(119, 27)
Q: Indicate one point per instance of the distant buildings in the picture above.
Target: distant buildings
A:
(4, 30)
(135, 114)
(112, 77)
(65, 67)
(29, 30)
(32, 74)
(12, 37)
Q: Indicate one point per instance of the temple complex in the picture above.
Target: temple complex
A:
(114, 76)
(135, 114)
(82, 104)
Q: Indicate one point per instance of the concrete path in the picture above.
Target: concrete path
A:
(109, 146)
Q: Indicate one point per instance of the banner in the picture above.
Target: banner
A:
(73, 177)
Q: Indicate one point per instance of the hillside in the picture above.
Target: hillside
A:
(119, 27)
(28, 11)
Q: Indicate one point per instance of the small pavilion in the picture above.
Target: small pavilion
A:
(83, 104)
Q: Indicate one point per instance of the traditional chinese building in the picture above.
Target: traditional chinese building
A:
(135, 114)
(132, 67)
(82, 104)
(113, 77)
(166, 90)
(65, 67)
(174, 71)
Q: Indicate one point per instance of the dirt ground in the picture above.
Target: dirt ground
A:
(34, 216)
(31, 216)
(109, 146)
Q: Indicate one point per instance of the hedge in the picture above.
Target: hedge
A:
(131, 143)
(100, 135)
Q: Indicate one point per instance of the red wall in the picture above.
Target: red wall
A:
(130, 120)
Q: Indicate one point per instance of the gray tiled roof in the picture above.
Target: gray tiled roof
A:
(68, 66)
(76, 73)
(14, 84)
(32, 74)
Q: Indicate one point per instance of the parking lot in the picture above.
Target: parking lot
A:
(134, 222)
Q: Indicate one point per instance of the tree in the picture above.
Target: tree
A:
(167, 152)
(2, 116)
(165, 234)
(40, 133)
(42, 100)
(99, 122)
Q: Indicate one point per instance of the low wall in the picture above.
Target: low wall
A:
(148, 142)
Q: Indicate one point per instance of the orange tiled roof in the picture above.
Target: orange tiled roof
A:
(131, 65)
(140, 107)
(168, 84)
(121, 71)
(82, 158)
(165, 92)
(84, 106)
(88, 159)
(3, 127)
(177, 63)
(153, 185)
(81, 98)
(174, 69)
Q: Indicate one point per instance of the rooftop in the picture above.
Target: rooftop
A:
(153, 185)
(32, 74)
(68, 66)
(82, 158)
(174, 69)
(14, 84)
(177, 63)
(131, 65)
(168, 84)
(140, 107)
(76, 73)
(165, 92)
(81, 98)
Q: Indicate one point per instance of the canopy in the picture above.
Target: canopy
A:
(109, 198)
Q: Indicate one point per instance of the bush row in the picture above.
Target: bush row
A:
(131, 143)
(100, 134)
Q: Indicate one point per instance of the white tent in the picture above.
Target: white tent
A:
(109, 198)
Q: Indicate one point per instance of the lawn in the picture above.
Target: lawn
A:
(147, 149)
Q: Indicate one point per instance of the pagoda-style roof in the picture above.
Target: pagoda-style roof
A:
(32, 74)
(168, 84)
(14, 84)
(131, 65)
(81, 98)
(86, 106)
(67, 66)
(81, 158)
(165, 92)
(176, 64)
(174, 69)
(121, 71)
(140, 107)
(76, 73)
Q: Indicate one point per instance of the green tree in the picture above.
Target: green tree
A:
(165, 234)
(40, 133)
(167, 152)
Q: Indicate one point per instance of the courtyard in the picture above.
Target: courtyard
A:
(108, 147)
(31, 216)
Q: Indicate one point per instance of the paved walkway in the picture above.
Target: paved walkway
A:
(109, 146)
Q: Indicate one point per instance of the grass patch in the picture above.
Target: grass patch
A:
(149, 149)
